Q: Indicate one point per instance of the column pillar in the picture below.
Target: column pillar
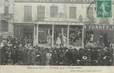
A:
(10, 27)
(53, 35)
(62, 31)
(68, 36)
(83, 36)
(34, 41)
(0, 26)
(36, 34)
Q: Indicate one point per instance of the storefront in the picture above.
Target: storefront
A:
(100, 35)
(24, 31)
(49, 34)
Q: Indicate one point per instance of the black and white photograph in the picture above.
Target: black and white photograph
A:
(56, 33)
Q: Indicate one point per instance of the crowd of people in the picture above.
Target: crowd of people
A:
(20, 52)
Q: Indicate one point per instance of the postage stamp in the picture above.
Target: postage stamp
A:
(104, 8)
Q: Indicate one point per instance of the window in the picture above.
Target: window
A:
(72, 12)
(75, 35)
(60, 35)
(72, 0)
(6, 10)
(90, 11)
(45, 35)
(53, 11)
(28, 13)
(41, 13)
(4, 26)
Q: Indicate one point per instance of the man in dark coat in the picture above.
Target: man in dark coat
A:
(4, 55)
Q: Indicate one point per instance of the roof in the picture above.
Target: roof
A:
(57, 1)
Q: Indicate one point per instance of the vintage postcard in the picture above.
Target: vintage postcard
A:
(67, 36)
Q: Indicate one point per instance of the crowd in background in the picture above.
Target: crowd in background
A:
(21, 52)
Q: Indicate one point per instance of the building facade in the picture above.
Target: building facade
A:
(55, 22)
(6, 18)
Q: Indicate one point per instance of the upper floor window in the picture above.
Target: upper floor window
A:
(6, 7)
(72, 12)
(53, 11)
(28, 13)
(4, 26)
(6, 10)
(90, 12)
(41, 12)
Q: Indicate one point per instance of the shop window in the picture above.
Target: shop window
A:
(60, 35)
(45, 35)
(99, 36)
(75, 36)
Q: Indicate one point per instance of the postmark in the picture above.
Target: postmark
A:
(104, 8)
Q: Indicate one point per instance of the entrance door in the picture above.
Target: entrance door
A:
(24, 32)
